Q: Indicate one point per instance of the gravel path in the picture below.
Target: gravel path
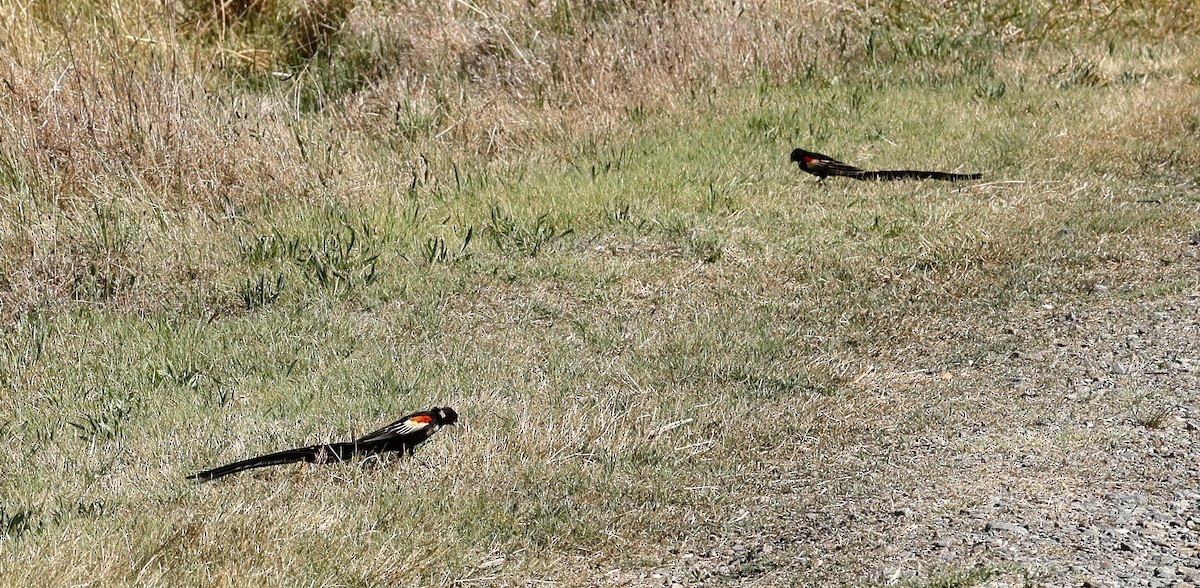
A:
(1066, 453)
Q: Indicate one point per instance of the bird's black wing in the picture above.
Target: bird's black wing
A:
(833, 167)
(822, 165)
(416, 425)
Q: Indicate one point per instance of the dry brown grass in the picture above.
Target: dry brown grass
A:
(181, 105)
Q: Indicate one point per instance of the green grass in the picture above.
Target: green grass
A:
(568, 296)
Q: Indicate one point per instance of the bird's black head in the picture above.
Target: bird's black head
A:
(798, 155)
(446, 415)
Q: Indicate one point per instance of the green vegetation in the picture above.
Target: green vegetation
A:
(231, 227)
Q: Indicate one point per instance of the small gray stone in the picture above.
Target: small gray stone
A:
(1006, 581)
(1191, 575)
(1006, 527)
(1099, 290)
(891, 573)
(1032, 355)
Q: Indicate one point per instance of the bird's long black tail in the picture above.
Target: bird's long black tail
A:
(313, 454)
(910, 174)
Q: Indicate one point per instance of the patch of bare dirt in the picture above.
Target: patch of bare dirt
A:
(1058, 448)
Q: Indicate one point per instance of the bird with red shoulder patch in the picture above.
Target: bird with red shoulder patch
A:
(402, 436)
(822, 166)
(413, 429)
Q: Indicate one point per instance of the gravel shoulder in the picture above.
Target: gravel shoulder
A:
(1061, 449)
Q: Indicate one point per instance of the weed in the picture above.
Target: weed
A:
(340, 261)
(614, 160)
(618, 213)
(1077, 72)
(18, 522)
(187, 373)
(707, 246)
(1150, 412)
(435, 248)
(315, 25)
(101, 281)
(623, 213)
(106, 423)
(261, 292)
(718, 199)
(270, 247)
(528, 238)
(991, 90)
(23, 351)
(337, 254)
(413, 121)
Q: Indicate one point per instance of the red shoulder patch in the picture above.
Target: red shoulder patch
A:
(423, 419)
(808, 159)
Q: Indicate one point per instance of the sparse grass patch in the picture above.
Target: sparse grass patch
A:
(961, 578)
(1149, 411)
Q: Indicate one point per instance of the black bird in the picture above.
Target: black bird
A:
(823, 165)
(403, 435)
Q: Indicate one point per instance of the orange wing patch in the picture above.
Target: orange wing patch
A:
(421, 420)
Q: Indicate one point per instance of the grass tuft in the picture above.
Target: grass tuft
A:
(528, 237)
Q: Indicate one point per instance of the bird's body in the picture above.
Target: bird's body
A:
(823, 166)
(403, 435)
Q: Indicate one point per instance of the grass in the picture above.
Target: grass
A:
(216, 249)
(964, 578)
